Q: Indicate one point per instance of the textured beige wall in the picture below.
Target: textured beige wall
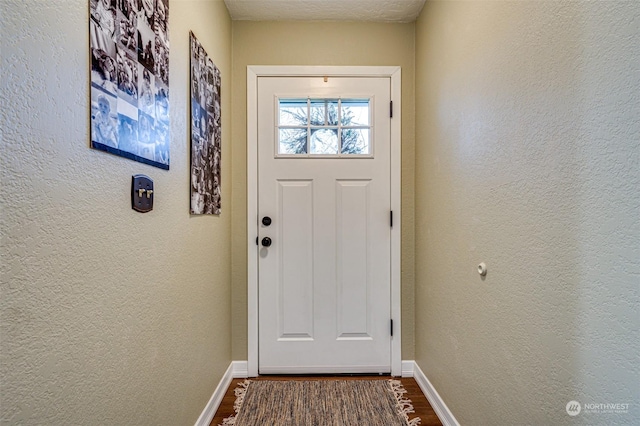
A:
(528, 159)
(319, 43)
(108, 316)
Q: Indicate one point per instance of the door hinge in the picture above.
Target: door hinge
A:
(391, 328)
(391, 109)
(257, 241)
(391, 218)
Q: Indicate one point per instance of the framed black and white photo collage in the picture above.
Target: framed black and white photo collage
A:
(206, 134)
(129, 42)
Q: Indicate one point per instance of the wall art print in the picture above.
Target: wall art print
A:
(206, 135)
(129, 42)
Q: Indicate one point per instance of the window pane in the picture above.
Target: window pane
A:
(293, 141)
(317, 113)
(355, 112)
(293, 112)
(332, 112)
(324, 141)
(315, 126)
(355, 141)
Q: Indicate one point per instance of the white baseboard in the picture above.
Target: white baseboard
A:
(237, 369)
(240, 369)
(407, 368)
(215, 400)
(441, 409)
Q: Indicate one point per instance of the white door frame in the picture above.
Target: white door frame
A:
(253, 72)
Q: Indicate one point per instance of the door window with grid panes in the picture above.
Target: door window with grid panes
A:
(324, 127)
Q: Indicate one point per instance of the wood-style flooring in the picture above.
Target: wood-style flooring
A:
(414, 393)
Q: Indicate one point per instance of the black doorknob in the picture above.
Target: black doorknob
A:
(266, 241)
(266, 221)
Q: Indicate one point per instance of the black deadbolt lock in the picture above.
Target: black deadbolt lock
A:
(266, 221)
(266, 241)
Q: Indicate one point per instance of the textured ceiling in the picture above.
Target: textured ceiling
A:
(325, 10)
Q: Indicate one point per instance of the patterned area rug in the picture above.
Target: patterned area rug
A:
(321, 402)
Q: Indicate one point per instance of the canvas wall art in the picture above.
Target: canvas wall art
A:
(206, 135)
(129, 42)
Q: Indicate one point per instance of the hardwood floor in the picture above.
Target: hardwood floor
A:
(414, 393)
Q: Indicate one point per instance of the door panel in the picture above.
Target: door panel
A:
(324, 283)
(295, 246)
(353, 258)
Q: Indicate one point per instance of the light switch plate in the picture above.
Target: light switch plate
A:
(141, 193)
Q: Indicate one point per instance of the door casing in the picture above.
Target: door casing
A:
(253, 73)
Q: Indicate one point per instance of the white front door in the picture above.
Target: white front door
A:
(324, 201)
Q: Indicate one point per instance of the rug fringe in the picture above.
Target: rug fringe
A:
(240, 392)
(403, 405)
